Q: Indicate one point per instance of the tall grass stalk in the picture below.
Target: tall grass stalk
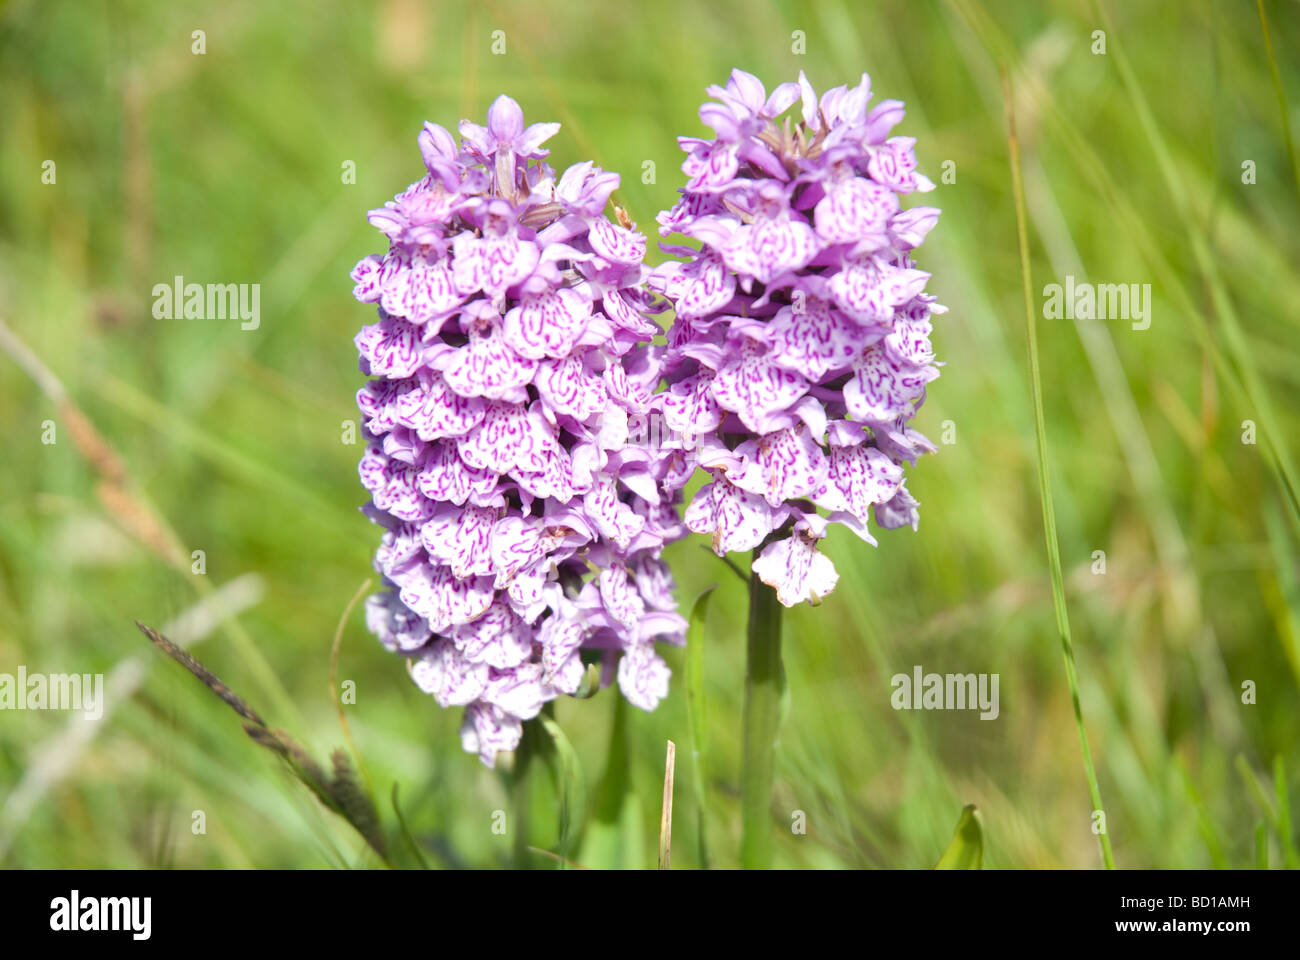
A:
(1281, 94)
(1131, 224)
(1277, 445)
(1044, 472)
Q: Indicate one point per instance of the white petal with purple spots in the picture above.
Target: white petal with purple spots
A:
(756, 389)
(547, 325)
(488, 730)
(882, 389)
(796, 569)
(814, 340)
(643, 676)
(858, 478)
(453, 680)
(738, 520)
(780, 466)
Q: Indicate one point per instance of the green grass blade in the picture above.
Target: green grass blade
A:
(1083, 153)
(1256, 789)
(1287, 614)
(1281, 94)
(1278, 818)
(1238, 347)
(1044, 472)
(405, 831)
(1209, 833)
(1289, 856)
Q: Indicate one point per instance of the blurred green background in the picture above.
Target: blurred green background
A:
(227, 167)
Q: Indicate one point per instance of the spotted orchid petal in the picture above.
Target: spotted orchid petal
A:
(397, 627)
(909, 343)
(770, 246)
(568, 387)
(856, 479)
(616, 244)
(856, 210)
(757, 390)
(689, 406)
(451, 678)
(518, 692)
(491, 264)
(390, 348)
(899, 511)
(365, 276)
(796, 569)
(737, 519)
(883, 389)
(498, 637)
(506, 437)
(712, 168)
(433, 592)
(444, 476)
(434, 410)
(487, 367)
(706, 285)
(561, 637)
(432, 293)
(619, 594)
(780, 466)
(643, 676)
(814, 340)
(610, 517)
(547, 325)
(488, 730)
(461, 539)
(893, 165)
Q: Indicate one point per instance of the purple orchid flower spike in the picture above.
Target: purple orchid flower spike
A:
(523, 524)
(798, 355)
(800, 349)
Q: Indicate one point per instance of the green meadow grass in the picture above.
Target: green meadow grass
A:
(226, 167)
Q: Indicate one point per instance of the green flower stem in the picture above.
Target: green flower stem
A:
(520, 790)
(762, 706)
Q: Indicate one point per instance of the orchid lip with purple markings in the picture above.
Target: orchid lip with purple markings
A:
(799, 351)
(522, 527)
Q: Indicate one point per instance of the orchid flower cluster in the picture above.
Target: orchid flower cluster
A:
(524, 514)
(523, 527)
(800, 348)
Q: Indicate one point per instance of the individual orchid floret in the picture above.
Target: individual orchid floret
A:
(800, 351)
(522, 524)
